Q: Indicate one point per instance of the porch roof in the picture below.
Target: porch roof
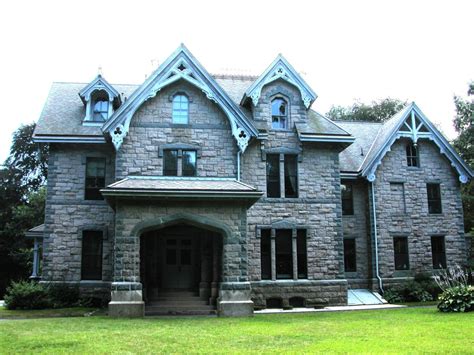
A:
(35, 232)
(181, 188)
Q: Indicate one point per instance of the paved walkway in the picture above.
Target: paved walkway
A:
(331, 309)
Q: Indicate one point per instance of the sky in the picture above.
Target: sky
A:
(362, 50)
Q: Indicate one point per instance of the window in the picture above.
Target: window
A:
(91, 267)
(100, 106)
(279, 254)
(289, 165)
(95, 178)
(400, 249)
(265, 255)
(179, 162)
(350, 264)
(434, 198)
(438, 252)
(279, 114)
(180, 109)
(412, 155)
(347, 200)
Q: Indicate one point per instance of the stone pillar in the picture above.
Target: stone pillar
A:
(126, 292)
(282, 175)
(215, 269)
(294, 253)
(204, 285)
(273, 253)
(234, 299)
(34, 274)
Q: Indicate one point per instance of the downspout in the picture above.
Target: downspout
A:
(238, 165)
(376, 244)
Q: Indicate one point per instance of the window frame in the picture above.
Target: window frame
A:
(434, 198)
(87, 274)
(282, 167)
(397, 255)
(99, 96)
(349, 210)
(92, 193)
(278, 118)
(412, 155)
(178, 111)
(180, 169)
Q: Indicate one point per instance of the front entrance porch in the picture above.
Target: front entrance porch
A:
(180, 269)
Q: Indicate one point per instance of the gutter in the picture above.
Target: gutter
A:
(376, 239)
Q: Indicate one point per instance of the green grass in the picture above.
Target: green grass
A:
(45, 313)
(405, 330)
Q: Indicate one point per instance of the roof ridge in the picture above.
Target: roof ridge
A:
(234, 76)
(83, 83)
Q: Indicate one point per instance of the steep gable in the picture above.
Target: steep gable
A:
(181, 65)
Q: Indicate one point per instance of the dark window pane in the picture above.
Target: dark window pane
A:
(347, 199)
(180, 109)
(100, 111)
(265, 254)
(279, 114)
(284, 258)
(438, 252)
(350, 263)
(91, 266)
(95, 178)
(400, 248)
(185, 257)
(412, 155)
(434, 198)
(189, 163)
(170, 163)
(273, 175)
(291, 176)
(301, 254)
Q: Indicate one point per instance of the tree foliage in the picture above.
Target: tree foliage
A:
(23, 198)
(377, 111)
(464, 144)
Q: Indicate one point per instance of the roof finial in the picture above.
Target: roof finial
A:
(99, 70)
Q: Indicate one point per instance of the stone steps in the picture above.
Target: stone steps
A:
(178, 303)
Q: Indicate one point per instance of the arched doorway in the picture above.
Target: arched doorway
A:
(180, 260)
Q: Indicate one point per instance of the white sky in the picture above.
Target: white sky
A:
(420, 51)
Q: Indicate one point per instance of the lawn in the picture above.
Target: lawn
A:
(386, 331)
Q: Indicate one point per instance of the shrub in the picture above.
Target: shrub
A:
(27, 295)
(63, 295)
(457, 299)
(392, 295)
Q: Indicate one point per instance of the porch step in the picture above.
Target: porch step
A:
(178, 303)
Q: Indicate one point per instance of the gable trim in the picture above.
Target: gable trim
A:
(180, 65)
(412, 111)
(280, 68)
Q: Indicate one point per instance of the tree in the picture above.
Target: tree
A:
(464, 144)
(377, 111)
(22, 207)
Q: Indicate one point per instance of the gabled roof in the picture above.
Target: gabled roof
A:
(180, 65)
(99, 83)
(411, 123)
(280, 69)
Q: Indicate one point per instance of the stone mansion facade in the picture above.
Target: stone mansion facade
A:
(232, 190)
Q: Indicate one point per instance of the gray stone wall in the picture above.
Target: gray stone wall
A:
(68, 213)
(152, 126)
(134, 217)
(317, 208)
(410, 217)
(356, 226)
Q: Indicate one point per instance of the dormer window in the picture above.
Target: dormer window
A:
(279, 113)
(180, 109)
(100, 100)
(100, 110)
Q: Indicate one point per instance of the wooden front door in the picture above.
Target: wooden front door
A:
(178, 262)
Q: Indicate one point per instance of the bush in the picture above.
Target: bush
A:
(421, 289)
(392, 295)
(27, 295)
(62, 295)
(457, 299)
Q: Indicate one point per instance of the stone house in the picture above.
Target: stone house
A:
(231, 193)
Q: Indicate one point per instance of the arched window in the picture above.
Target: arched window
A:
(279, 113)
(180, 109)
(100, 106)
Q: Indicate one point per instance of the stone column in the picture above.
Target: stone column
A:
(34, 274)
(294, 253)
(215, 269)
(126, 292)
(282, 175)
(204, 286)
